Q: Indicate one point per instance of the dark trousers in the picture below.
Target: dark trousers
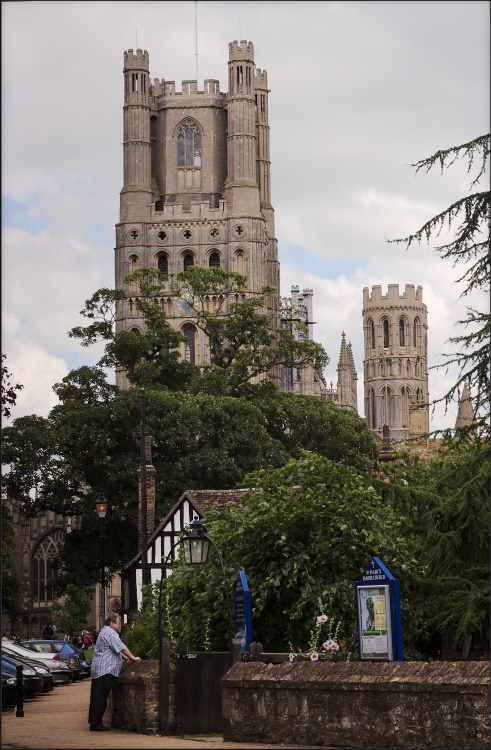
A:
(99, 692)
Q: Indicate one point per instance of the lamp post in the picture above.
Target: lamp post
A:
(27, 605)
(101, 506)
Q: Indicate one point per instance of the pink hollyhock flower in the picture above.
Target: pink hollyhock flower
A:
(314, 657)
(330, 645)
(292, 656)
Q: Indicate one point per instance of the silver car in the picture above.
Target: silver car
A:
(62, 674)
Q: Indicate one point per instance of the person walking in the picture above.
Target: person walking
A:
(106, 665)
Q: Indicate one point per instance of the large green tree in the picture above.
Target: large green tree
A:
(310, 529)
(451, 491)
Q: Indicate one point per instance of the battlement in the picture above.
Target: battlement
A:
(260, 79)
(136, 62)
(161, 88)
(242, 51)
(308, 292)
(410, 294)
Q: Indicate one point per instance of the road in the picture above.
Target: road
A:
(58, 720)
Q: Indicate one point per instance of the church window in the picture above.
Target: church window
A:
(240, 75)
(162, 235)
(163, 264)
(401, 333)
(44, 568)
(188, 261)
(189, 332)
(134, 330)
(386, 334)
(214, 261)
(188, 145)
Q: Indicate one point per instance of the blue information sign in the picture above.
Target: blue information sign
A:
(378, 614)
(243, 612)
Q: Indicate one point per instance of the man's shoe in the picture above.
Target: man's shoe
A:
(102, 728)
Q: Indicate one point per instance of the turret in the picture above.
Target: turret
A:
(241, 189)
(136, 193)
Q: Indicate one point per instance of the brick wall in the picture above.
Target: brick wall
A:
(357, 705)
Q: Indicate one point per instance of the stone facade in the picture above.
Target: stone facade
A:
(360, 704)
(396, 361)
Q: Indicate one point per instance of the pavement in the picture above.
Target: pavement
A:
(58, 720)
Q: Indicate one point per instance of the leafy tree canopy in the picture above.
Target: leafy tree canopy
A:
(309, 531)
(10, 584)
(244, 342)
(72, 614)
(90, 442)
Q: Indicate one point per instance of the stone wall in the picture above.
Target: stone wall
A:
(134, 700)
(360, 704)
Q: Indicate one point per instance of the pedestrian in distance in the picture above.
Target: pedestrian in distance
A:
(106, 665)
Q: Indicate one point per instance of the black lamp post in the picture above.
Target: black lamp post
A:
(101, 506)
(27, 605)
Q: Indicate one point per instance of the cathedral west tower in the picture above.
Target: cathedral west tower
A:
(196, 186)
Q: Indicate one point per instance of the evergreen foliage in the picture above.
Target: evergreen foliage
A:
(468, 248)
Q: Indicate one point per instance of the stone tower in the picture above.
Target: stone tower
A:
(395, 365)
(196, 186)
(305, 380)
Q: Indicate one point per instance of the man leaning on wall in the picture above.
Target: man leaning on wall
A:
(109, 653)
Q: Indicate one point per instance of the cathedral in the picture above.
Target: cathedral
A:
(197, 191)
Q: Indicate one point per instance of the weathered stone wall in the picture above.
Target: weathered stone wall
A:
(360, 704)
(134, 700)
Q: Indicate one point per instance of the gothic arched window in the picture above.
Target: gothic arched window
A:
(44, 569)
(402, 338)
(189, 332)
(386, 334)
(239, 261)
(214, 261)
(163, 264)
(188, 261)
(188, 144)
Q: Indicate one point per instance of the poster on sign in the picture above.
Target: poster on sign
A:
(378, 614)
(375, 633)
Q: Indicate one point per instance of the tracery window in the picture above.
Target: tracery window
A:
(371, 329)
(188, 144)
(44, 569)
(214, 261)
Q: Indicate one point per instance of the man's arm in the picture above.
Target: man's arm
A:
(128, 656)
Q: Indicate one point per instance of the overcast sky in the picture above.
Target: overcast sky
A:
(359, 91)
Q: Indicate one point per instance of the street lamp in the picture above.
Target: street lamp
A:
(27, 605)
(101, 506)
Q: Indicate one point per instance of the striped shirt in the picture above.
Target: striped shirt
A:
(107, 653)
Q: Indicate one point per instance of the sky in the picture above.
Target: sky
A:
(359, 91)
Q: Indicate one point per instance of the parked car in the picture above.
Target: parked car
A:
(46, 647)
(41, 670)
(32, 681)
(9, 689)
(65, 650)
(62, 674)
